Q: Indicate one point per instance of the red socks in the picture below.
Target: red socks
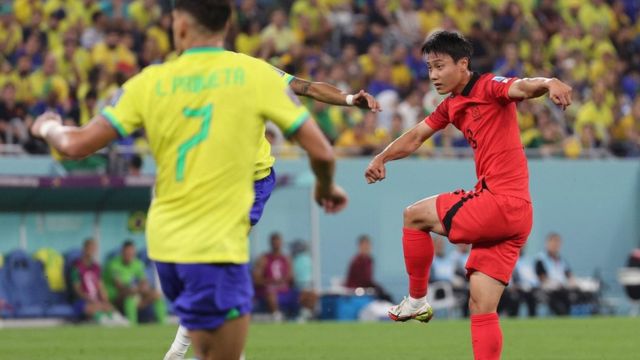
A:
(486, 336)
(418, 255)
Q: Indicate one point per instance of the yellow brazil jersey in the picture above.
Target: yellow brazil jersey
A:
(265, 160)
(204, 115)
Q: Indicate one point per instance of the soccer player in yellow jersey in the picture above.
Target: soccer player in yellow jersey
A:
(265, 176)
(203, 114)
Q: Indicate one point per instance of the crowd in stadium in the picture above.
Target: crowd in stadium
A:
(71, 56)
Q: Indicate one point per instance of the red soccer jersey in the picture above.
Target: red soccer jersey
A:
(486, 115)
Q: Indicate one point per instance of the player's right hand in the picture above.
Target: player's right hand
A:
(560, 93)
(41, 120)
(375, 171)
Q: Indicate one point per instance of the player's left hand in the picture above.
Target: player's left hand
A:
(41, 120)
(364, 100)
(560, 93)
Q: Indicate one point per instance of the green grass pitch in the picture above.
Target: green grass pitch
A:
(588, 338)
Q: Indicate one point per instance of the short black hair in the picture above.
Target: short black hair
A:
(450, 43)
(87, 241)
(136, 161)
(212, 14)
(127, 243)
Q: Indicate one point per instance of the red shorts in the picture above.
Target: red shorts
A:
(496, 226)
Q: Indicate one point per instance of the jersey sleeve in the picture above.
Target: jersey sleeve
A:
(288, 78)
(439, 118)
(280, 104)
(124, 111)
(498, 88)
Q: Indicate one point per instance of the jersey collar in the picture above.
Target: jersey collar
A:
(203, 49)
(467, 89)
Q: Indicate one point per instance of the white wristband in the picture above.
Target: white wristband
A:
(46, 128)
(349, 100)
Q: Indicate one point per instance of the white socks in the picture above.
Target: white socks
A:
(416, 303)
(182, 341)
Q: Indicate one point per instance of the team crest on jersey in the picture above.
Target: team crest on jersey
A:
(501, 79)
(116, 97)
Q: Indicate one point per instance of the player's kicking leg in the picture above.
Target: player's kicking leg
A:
(419, 219)
(262, 190)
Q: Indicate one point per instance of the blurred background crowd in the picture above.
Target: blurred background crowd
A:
(70, 56)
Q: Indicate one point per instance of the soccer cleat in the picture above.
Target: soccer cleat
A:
(404, 311)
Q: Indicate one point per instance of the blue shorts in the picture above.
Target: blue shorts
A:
(263, 189)
(204, 296)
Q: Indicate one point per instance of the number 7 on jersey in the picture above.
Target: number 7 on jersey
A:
(205, 112)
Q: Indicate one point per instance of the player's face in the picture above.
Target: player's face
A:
(445, 74)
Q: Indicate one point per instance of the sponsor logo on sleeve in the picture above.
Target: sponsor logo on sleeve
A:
(500, 79)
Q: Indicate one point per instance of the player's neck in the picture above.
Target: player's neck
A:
(465, 80)
(200, 42)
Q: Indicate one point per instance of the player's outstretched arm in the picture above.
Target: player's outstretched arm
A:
(74, 142)
(402, 147)
(559, 92)
(329, 94)
(327, 194)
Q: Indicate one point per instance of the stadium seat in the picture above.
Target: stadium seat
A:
(26, 285)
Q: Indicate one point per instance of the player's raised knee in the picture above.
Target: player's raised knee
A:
(414, 218)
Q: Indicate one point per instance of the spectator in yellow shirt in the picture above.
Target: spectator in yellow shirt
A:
(74, 62)
(47, 78)
(160, 32)
(365, 137)
(595, 112)
(372, 60)
(55, 30)
(112, 52)
(315, 13)
(626, 132)
(278, 36)
(25, 10)
(10, 31)
(248, 41)
(400, 72)
(144, 13)
(462, 14)
(596, 12)
(24, 92)
(430, 17)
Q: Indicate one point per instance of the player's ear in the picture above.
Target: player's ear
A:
(463, 64)
(180, 24)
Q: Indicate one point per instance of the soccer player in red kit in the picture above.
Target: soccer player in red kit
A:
(495, 217)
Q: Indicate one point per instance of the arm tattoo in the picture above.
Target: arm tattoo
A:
(300, 87)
